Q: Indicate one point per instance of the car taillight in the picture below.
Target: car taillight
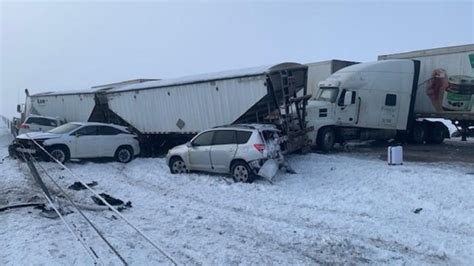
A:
(23, 126)
(259, 147)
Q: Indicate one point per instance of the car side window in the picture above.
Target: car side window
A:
(223, 137)
(87, 131)
(109, 131)
(243, 136)
(205, 139)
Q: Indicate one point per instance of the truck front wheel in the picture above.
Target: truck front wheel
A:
(326, 138)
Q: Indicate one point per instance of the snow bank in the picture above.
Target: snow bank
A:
(337, 209)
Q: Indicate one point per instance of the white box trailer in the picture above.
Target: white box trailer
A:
(446, 83)
(440, 70)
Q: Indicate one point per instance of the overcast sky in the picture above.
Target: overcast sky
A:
(47, 46)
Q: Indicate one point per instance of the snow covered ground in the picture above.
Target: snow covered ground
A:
(340, 208)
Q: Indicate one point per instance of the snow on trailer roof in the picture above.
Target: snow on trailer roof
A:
(93, 89)
(246, 72)
(429, 52)
(57, 93)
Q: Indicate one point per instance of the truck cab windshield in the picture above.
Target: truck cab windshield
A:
(328, 94)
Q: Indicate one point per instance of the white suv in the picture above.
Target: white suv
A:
(82, 140)
(39, 123)
(240, 150)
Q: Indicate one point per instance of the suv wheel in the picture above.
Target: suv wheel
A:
(177, 166)
(59, 153)
(124, 154)
(241, 172)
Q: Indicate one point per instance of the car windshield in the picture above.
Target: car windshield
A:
(64, 128)
(328, 94)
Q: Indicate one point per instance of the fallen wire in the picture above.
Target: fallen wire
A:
(21, 205)
(88, 249)
(81, 213)
(160, 250)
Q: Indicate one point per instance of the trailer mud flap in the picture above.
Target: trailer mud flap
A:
(268, 169)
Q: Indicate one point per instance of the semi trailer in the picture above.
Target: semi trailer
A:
(447, 78)
(395, 98)
(171, 111)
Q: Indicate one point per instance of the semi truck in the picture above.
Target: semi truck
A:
(395, 98)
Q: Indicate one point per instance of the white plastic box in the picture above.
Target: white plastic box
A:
(395, 155)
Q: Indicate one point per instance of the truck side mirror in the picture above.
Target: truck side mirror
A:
(18, 108)
(349, 98)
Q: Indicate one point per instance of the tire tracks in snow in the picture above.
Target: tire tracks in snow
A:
(263, 218)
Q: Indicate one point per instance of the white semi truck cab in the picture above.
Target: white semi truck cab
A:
(366, 101)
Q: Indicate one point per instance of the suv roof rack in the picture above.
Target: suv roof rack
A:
(237, 126)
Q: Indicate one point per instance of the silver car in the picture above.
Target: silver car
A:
(240, 150)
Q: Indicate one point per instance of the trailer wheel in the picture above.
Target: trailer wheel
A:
(437, 133)
(418, 135)
(326, 138)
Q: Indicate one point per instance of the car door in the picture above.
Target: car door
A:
(199, 152)
(86, 143)
(223, 149)
(110, 139)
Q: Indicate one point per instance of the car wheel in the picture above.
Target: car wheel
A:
(326, 138)
(59, 153)
(177, 166)
(241, 172)
(124, 154)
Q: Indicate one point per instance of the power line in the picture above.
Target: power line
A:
(88, 249)
(84, 216)
(149, 240)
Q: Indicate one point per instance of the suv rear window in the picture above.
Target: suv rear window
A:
(243, 136)
(269, 134)
(42, 121)
(222, 137)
